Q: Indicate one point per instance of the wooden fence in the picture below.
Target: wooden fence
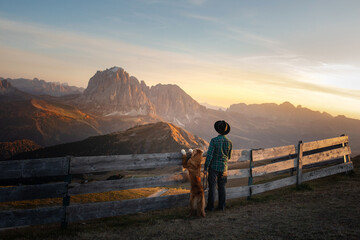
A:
(305, 161)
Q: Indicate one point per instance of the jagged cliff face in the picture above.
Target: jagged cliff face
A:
(114, 92)
(174, 105)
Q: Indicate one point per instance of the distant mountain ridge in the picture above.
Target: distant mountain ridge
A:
(115, 101)
(41, 87)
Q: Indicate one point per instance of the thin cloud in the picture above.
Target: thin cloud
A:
(201, 17)
(197, 2)
(241, 34)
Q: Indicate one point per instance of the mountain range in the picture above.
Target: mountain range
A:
(115, 101)
(41, 87)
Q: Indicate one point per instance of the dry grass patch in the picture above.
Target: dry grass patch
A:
(89, 198)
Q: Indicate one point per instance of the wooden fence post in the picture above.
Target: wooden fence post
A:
(299, 164)
(66, 199)
(346, 157)
(250, 181)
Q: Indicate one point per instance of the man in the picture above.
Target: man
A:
(216, 164)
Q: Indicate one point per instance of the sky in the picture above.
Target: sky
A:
(306, 52)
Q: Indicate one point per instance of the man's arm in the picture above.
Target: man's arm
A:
(230, 146)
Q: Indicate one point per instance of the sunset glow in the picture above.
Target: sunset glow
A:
(304, 52)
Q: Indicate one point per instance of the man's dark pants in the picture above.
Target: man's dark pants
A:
(221, 179)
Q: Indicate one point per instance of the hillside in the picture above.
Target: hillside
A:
(9, 149)
(42, 121)
(158, 137)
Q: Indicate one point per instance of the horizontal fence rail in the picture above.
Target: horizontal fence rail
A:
(45, 167)
(300, 158)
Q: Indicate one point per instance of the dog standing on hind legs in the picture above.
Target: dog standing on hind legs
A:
(193, 165)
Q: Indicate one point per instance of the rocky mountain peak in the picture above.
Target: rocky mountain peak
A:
(113, 91)
(174, 104)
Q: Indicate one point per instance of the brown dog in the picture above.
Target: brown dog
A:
(197, 198)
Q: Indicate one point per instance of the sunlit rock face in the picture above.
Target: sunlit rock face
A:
(114, 92)
(175, 105)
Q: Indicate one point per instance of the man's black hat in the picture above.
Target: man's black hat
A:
(222, 127)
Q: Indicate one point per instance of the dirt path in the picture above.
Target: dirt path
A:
(327, 208)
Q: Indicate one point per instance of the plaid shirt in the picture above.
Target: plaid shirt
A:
(218, 154)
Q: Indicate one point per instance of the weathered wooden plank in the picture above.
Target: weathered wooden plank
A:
(127, 183)
(273, 167)
(123, 162)
(324, 163)
(30, 192)
(31, 217)
(327, 155)
(271, 153)
(131, 183)
(237, 192)
(137, 161)
(45, 167)
(260, 188)
(79, 212)
(240, 155)
(238, 173)
(344, 167)
(308, 146)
